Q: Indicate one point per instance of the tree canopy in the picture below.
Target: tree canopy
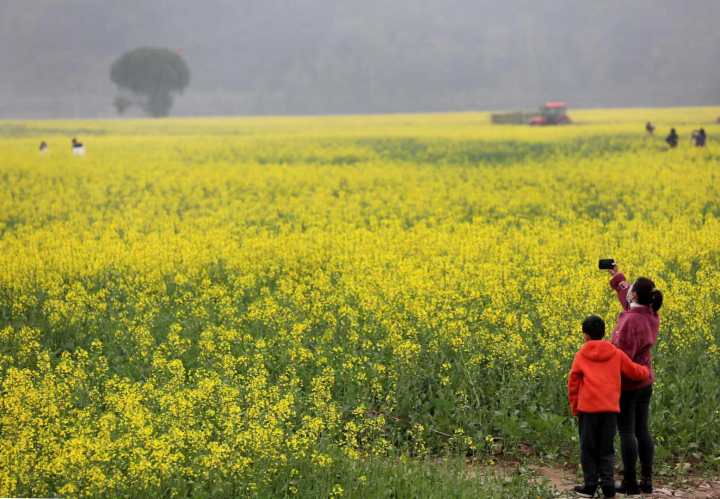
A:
(151, 75)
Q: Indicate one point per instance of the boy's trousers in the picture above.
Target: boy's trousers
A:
(597, 450)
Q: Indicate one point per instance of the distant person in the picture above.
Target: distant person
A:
(672, 138)
(78, 149)
(43, 147)
(594, 387)
(699, 138)
(650, 128)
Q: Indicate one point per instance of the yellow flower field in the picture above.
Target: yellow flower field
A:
(225, 307)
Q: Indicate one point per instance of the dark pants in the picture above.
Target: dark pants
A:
(597, 450)
(635, 438)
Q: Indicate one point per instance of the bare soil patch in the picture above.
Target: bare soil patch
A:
(695, 487)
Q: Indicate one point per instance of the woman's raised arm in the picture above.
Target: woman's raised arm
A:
(620, 285)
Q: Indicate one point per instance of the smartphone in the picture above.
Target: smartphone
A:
(606, 263)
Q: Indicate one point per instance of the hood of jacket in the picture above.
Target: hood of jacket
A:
(597, 350)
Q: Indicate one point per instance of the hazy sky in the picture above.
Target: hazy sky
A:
(364, 56)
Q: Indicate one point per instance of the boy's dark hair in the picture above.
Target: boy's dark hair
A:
(594, 327)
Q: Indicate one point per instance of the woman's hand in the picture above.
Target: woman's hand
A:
(614, 270)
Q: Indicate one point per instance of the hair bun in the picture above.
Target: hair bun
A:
(656, 299)
(647, 293)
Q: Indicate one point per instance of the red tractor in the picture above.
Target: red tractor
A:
(552, 113)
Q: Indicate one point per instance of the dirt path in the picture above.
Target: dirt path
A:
(564, 480)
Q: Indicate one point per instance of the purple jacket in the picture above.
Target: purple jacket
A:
(635, 332)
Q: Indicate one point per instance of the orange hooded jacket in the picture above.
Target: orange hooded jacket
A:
(594, 381)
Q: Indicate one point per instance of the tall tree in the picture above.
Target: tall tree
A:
(151, 76)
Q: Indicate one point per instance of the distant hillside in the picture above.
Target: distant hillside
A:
(324, 56)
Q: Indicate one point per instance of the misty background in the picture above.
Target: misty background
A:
(364, 56)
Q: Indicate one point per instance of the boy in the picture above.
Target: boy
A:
(594, 394)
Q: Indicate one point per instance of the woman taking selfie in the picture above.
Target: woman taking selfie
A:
(635, 334)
